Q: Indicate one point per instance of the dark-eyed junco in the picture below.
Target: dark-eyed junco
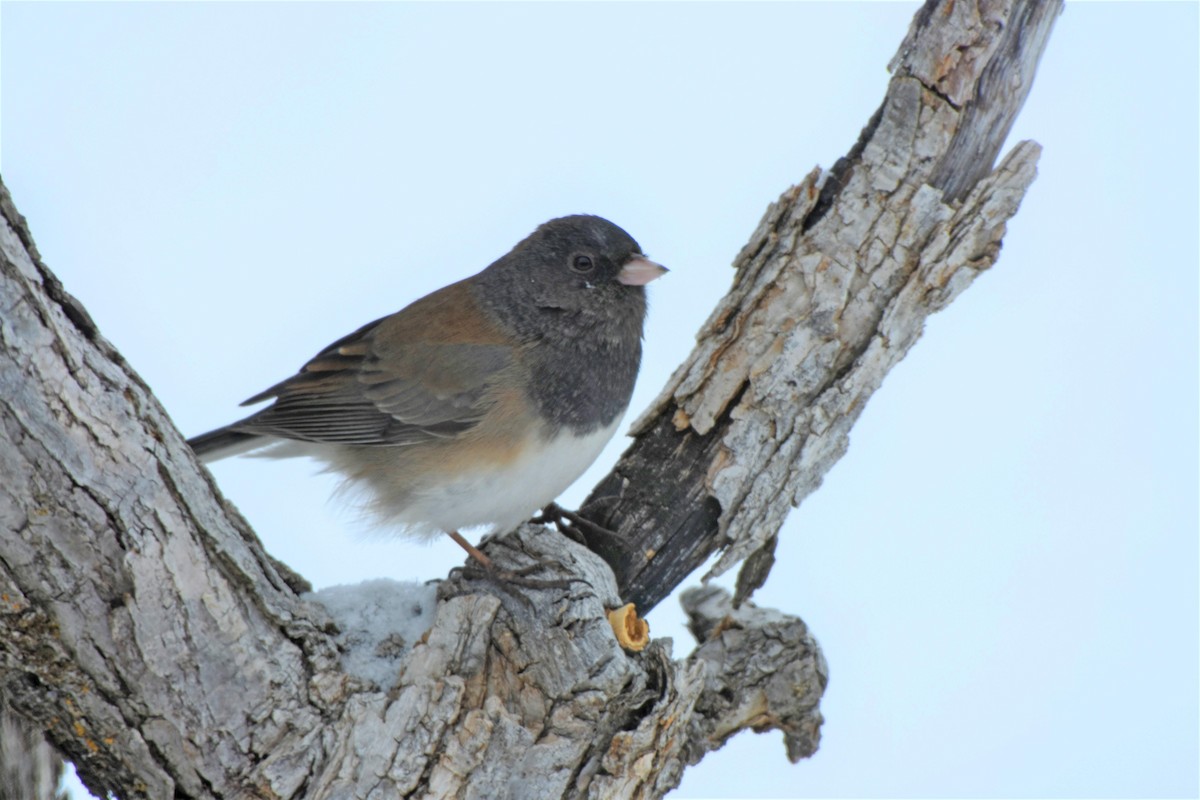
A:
(479, 403)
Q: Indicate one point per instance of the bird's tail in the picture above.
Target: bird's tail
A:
(222, 443)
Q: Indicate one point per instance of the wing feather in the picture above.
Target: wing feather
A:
(417, 376)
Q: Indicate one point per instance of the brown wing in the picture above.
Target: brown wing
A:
(422, 374)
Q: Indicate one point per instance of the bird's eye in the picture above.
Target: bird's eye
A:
(582, 262)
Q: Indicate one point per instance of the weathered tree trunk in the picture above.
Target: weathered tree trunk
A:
(143, 627)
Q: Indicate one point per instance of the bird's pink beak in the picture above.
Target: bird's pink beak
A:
(639, 270)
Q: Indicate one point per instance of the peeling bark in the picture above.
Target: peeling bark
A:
(829, 294)
(144, 629)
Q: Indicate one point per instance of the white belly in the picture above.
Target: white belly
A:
(499, 497)
(506, 498)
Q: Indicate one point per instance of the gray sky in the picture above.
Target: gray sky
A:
(1002, 570)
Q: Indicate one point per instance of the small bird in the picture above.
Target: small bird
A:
(479, 403)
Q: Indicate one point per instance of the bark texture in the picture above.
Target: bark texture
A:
(145, 630)
(829, 294)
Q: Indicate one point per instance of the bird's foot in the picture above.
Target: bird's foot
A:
(518, 577)
(569, 523)
(607, 543)
(483, 568)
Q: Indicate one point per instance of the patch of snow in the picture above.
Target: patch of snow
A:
(379, 620)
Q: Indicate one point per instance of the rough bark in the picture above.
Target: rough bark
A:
(829, 294)
(166, 654)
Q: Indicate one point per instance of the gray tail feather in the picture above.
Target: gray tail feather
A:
(222, 443)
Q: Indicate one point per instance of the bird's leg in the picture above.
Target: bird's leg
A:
(473, 551)
(516, 577)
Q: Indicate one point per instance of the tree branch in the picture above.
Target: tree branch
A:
(829, 294)
(143, 624)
